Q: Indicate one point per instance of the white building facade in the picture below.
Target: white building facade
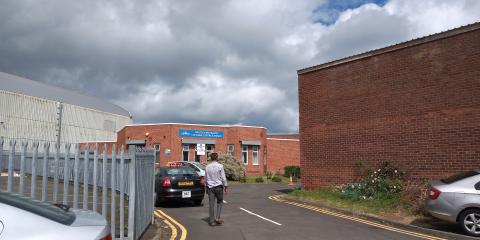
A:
(33, 111)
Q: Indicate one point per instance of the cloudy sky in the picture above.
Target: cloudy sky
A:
(209, 61)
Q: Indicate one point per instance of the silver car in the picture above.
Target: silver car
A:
(24, 218)
(457, 199)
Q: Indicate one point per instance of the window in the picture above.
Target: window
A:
(245, 154)
(230, 148)
(255, 155)
(209, 149)
(156, 147)
(185, 153)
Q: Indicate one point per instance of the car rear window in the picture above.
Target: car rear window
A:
(43, 209)
(460, 176)
(179, 171)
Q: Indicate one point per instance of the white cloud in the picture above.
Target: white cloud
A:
(203, 61)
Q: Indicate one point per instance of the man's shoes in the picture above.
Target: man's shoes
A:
(219, 222)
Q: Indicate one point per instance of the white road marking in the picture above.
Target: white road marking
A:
(266, 219)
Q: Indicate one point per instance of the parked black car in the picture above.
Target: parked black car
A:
(179, 184)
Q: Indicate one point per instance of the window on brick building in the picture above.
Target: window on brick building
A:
(209, 149)
(156, 147)
(185, 152)
(255, 155)
(230, 148)
(245, 154)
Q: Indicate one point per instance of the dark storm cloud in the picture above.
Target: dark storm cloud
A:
(215, 62)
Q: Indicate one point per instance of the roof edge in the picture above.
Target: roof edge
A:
(406, 44)
(191, 124)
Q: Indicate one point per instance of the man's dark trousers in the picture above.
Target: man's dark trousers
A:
(215, 192)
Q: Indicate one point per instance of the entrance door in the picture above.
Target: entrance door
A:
(186, 151)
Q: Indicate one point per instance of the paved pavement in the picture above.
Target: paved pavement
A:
(250, 214)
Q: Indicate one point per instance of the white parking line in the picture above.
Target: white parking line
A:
(264, 218)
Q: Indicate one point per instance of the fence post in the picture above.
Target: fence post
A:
(33, 185)
(95, 182)
(46, 149)
(86, 158)
(122, 192)
(1, 157)
(131, 195)
(55, 172)
(113, 192)
(75, 176)
(66, 177)
(23, 153)
(104, 181)
(11, 152)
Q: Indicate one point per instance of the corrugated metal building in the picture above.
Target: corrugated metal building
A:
(34, 111)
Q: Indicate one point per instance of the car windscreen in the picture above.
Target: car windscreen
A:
(180, 171)
(460, 176)
(43, 209)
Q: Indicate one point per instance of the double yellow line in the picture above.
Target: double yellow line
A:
(382, 226)
(172, 224)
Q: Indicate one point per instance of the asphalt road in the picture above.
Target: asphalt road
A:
(296, 222)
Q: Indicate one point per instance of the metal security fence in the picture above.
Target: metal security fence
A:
(121, 184)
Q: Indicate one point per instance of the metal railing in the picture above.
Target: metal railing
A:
(121, 177)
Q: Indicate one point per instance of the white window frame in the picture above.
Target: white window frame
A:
(230, 151)
(185, 148)
(208, 152)
(255, 155)
(245, 159)
(156, 147)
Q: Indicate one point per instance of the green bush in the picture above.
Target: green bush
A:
(259, 179)
(269, 175)
(234, 168)
(294, 170)
(276, 179)
(385, 181)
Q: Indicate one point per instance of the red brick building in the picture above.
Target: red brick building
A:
(175, 142)
(283, 150)
(415, 104)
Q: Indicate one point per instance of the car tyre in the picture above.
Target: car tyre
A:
(158, 202)
(197, 202)
(469, 222)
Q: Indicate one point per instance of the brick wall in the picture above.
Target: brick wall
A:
(417, 106)
(282, 152)
(167, 136)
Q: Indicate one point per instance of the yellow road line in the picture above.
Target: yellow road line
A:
(386, 227)
(183, 236)
(171, 226)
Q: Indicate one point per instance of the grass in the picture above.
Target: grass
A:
(330, 198)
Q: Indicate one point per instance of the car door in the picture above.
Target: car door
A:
(1, 228)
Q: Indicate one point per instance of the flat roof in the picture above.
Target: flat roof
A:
(417, 41)
(191, 124)
(16, 84)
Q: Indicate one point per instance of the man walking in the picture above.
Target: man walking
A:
(216, 185)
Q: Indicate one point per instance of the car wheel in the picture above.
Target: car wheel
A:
(197, 202)
(158, 202)
(470, 222)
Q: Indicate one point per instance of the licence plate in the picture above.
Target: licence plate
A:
(186, 194)
(186, 183)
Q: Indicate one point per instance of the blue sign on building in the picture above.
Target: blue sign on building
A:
(200, 133)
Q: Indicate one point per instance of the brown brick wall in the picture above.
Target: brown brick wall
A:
(282, 152)
(417, 107)
(167, 136)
